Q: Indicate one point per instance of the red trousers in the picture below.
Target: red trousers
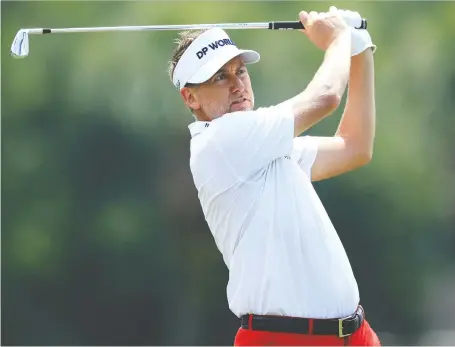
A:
(364, 336)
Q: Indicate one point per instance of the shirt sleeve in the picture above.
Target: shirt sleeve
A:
(304, 152)
(250, 140)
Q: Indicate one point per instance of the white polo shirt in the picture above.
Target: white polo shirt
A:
(282, 251)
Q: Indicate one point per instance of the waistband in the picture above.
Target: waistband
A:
(341, 327)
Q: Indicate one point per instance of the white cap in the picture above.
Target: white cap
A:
(206, 55)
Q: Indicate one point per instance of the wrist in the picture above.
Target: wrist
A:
(364, 55)
(344, 32)
(342, 37)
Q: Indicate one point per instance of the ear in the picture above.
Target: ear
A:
(190, 98)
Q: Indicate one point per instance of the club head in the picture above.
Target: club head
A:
(20, 46)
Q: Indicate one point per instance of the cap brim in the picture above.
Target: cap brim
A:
(206, 71)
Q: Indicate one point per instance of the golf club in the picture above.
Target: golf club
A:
(20, 47)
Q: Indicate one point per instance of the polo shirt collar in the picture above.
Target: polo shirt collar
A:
(197, 127)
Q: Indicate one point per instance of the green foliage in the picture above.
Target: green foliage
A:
(104, 241)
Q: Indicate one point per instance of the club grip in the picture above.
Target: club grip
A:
(289, 25)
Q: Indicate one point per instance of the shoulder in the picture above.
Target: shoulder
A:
(222, 128)
(242, 122)
(305, 145)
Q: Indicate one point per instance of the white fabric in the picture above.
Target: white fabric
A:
(360, 38)
(206, 55)
(254, 184)
(361, 41)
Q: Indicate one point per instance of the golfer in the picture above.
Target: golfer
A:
(290, 280)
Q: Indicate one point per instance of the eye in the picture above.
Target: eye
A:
(241, 71)
(220, 77)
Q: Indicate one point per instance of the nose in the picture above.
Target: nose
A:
(237, 85)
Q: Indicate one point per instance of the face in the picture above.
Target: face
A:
(229, 90)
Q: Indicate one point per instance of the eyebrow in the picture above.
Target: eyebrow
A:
(223, 69)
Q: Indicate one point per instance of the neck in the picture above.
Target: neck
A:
(201, 116)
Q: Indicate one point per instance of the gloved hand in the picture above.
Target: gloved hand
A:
(360, 38)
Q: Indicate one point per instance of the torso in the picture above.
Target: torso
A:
(282, 251)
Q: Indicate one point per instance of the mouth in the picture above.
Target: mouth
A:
(240, 103)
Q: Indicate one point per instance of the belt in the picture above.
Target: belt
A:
(341, 327)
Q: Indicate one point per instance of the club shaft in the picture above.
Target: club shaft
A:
(264, 25)
(280, 25)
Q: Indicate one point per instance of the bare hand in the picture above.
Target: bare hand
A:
(323, 28)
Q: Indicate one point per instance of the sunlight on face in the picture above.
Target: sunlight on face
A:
(229, 90)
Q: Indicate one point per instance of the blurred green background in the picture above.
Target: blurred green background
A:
(103, 238)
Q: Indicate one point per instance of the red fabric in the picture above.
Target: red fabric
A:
(364, 336)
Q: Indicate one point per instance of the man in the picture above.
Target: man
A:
(290, 281)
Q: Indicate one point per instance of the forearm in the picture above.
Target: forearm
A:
(333, 74)
(357, 125)
(323, 94)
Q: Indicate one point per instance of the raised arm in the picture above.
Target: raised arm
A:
(352, 145)
(247, 141)
(329, 32)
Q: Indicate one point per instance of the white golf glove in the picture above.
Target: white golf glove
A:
(360, 38)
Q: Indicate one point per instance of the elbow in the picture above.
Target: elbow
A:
(330, 102)
(363, 158)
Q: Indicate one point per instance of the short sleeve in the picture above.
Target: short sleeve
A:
(304, 152)
(250, 140)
